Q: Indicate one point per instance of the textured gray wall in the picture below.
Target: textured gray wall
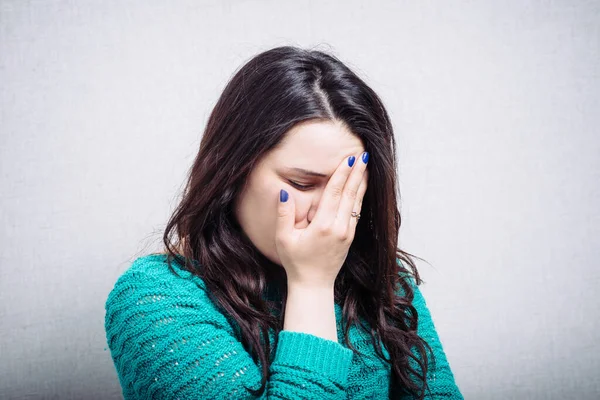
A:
(495, 106)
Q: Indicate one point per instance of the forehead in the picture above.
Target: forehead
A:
(318, 145)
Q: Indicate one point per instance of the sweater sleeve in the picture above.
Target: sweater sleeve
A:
(440, 378)
(169, 341)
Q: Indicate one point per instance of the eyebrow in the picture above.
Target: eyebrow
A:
(308, 173)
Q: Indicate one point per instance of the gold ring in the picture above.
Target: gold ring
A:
(355, 214)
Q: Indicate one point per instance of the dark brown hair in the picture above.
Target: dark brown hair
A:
(271, 93)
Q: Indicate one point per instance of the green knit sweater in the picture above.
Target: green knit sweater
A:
(169, 341)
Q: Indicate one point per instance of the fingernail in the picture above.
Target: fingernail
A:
(365, 157)
(351, 161)
(283, 196)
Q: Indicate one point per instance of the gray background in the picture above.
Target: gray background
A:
(495, 107)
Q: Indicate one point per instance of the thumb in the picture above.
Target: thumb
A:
(286, 210)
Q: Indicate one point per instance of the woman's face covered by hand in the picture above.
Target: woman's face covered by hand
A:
(315, 146)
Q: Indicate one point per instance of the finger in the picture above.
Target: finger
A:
(286, 210)
(362, 189)
(327, 211)
(350, 195)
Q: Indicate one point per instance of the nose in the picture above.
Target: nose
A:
(312, 202)
(311, 214)
(314, 205)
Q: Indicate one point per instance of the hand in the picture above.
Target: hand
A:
(314, 256)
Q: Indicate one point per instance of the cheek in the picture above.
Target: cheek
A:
(261, 207)
(266, 195)
(261, 216)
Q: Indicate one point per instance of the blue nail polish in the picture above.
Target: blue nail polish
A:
(365, 157)
(351, 161)
(283, 196)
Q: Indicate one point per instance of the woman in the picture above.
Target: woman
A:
(287, 231)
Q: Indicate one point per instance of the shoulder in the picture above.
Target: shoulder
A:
(417, 299)
(157, 317)
(408, 278)
(150, 287)
(153, 270)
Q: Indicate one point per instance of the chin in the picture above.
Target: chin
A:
(270, 253)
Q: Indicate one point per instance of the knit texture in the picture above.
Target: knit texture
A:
(168, 340)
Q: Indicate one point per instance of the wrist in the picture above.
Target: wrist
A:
(310, 287)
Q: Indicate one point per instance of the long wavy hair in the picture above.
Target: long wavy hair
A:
(272, 92)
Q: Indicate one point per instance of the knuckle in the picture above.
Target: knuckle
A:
(324, 230)
(336, 192)
(343, 235)
(351, 193)
(350, 238)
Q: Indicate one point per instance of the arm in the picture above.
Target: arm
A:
(168, 341)
(311, 310)
(440, 379)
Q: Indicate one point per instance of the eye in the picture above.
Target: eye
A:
(298, 186)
